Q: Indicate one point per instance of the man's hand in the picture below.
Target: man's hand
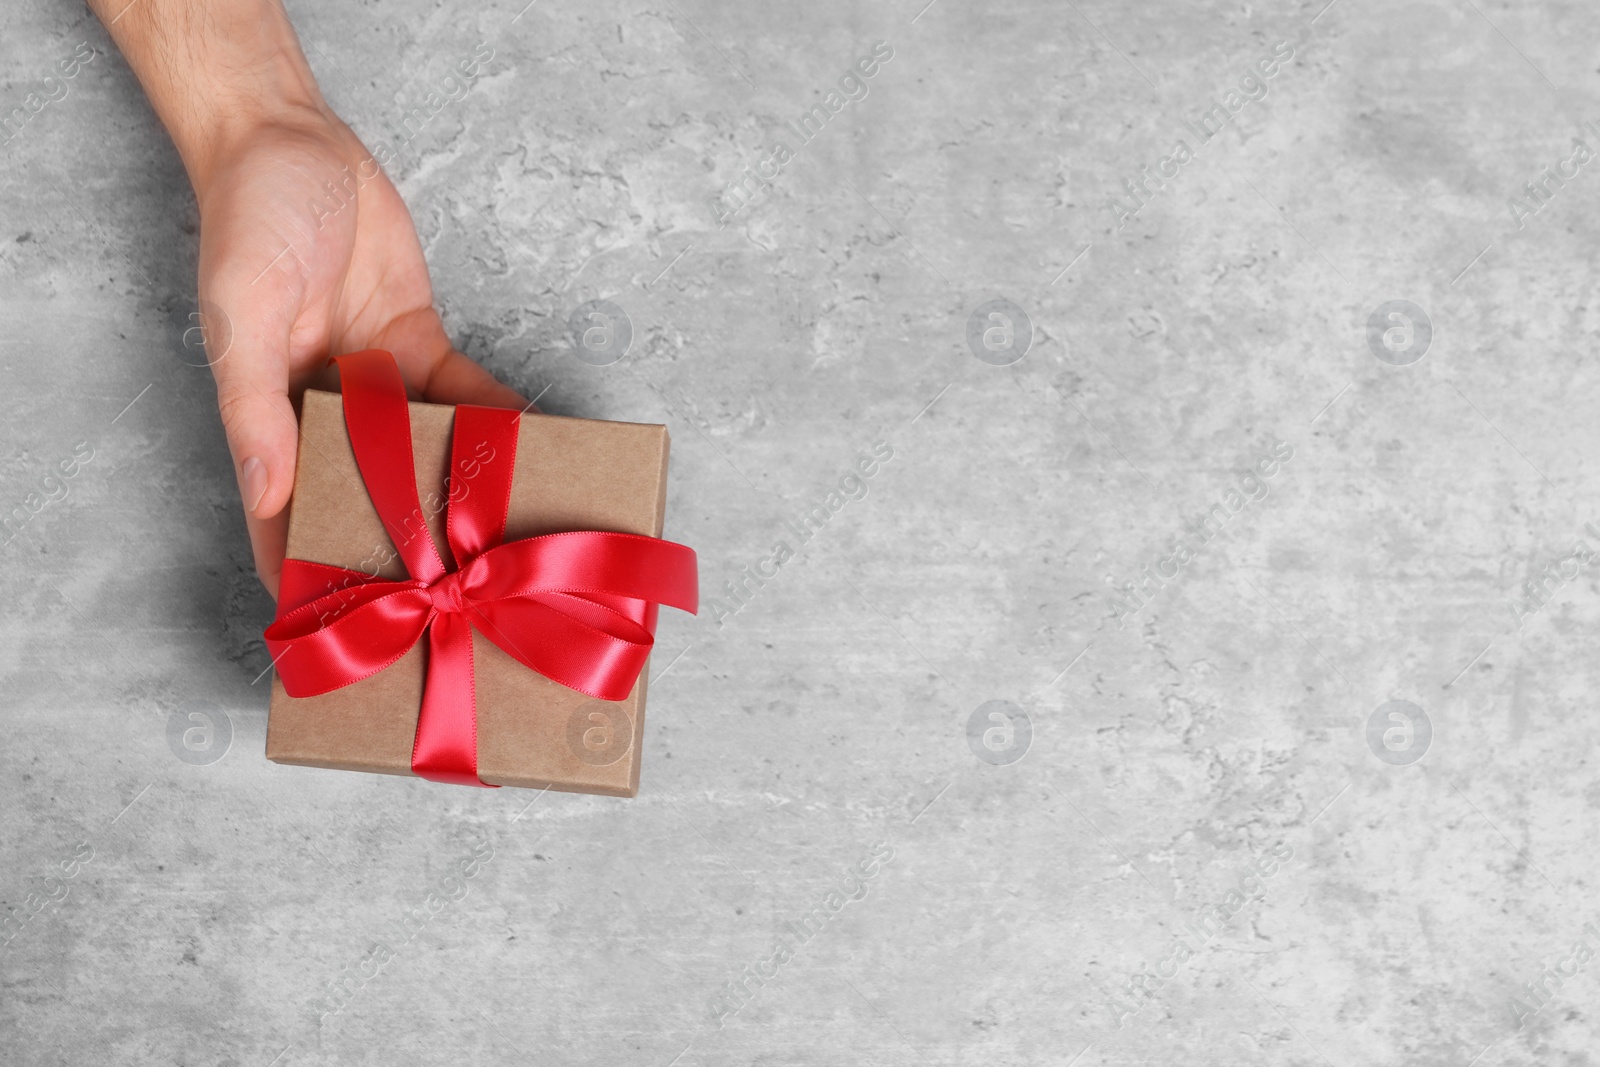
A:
(301, 278)
(305, 246)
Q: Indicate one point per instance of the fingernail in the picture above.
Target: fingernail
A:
(254, 473)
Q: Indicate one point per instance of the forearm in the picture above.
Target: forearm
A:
(214, 70)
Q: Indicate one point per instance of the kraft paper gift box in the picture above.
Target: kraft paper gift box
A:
(570, 474)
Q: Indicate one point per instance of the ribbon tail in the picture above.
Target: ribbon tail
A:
(580, 643)
(446, 748)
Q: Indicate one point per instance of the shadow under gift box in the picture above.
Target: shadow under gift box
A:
(571, 474)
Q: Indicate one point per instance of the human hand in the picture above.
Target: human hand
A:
(301, 275)
(306, 249)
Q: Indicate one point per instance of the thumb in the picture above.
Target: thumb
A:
(252, 375)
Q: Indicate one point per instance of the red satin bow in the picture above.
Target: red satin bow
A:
(579, 608)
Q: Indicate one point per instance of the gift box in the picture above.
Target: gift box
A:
(475, 604)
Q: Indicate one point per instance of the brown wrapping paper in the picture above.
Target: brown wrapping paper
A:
(571, 474)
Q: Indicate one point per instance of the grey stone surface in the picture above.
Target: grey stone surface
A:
(197, 911)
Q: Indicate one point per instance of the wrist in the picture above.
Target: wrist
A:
(278, 92)
(217, 80)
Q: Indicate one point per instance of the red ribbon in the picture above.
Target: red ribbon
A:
(579, 608)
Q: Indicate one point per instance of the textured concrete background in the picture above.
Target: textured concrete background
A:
(1416, 874)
